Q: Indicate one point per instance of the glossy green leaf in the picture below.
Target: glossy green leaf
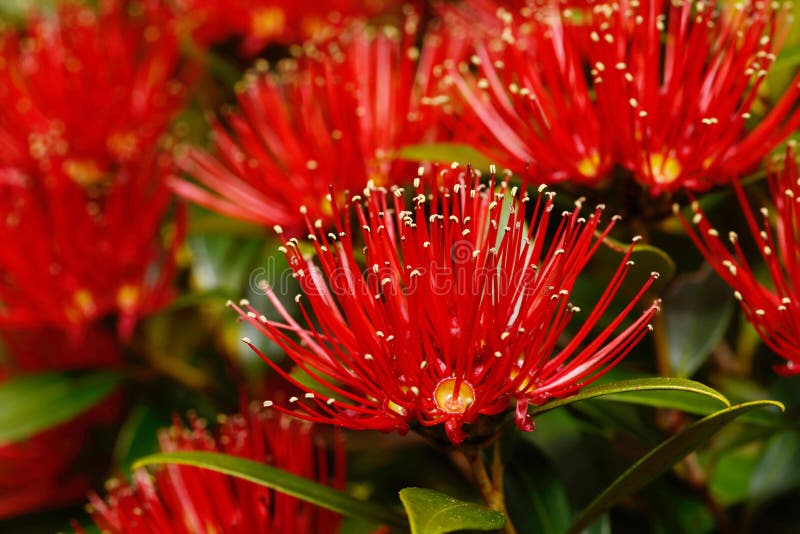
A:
(536, 498)
(696, 313)
(280, 480)
(689, 402)
(431, 512)
(661, 458)
(34, 403)
(445, 153)
(640, 391)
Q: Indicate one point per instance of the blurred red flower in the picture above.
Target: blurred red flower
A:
(85, 95)
(184, 500)
(457, 315)
(663, 89)
(85, 90)
(38, 349)
(262, 22)
(70, 254)
(335, 115)
(773, 306)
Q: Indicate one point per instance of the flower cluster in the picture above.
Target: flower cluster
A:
(85, 91)
(181, 499)
(70, 179)
(434, 298)
(662, 89)
(335, 115)
(458, 313)
(70, 255)
(774, 309)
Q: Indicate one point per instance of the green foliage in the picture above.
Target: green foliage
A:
(279, 480)
(536, 497)
(697, 311)
(641, 391)
(658, 460)
(431, 512)
(35, 403)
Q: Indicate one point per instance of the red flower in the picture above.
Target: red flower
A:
(70, 254)
(773, 311)
(261, 22)
(185, 500)
(87, 90)
(38, 349)
(44, 471)
(336, 115)
(457, 315)
(670, 90)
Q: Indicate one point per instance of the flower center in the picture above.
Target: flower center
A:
(451, 402)
(268, 22)
(664, 169)
(589, 165)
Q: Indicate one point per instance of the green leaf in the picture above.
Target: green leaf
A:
(601, 526)
(637, 391)
(431, 512)
(672, 509)
(445, 153)
(696, 312)
(778, 469)
(204, 222)
(731, 473)
(535, 495)
(34, 403)
(661, 458)
(279, 480)
(648, 258)
(138, 436)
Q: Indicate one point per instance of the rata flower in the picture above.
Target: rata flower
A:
(462, 310)
(45, 470)
(181, 499)
(337, 114)
(773, 307)
(71, 254)
(663, 89)
(261, 22)
(86, 90)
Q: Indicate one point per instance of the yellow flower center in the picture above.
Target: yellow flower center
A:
(664, 169)
(589, 165)
(267, 21)
(450, 401)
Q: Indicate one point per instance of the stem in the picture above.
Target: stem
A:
(492, 494)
